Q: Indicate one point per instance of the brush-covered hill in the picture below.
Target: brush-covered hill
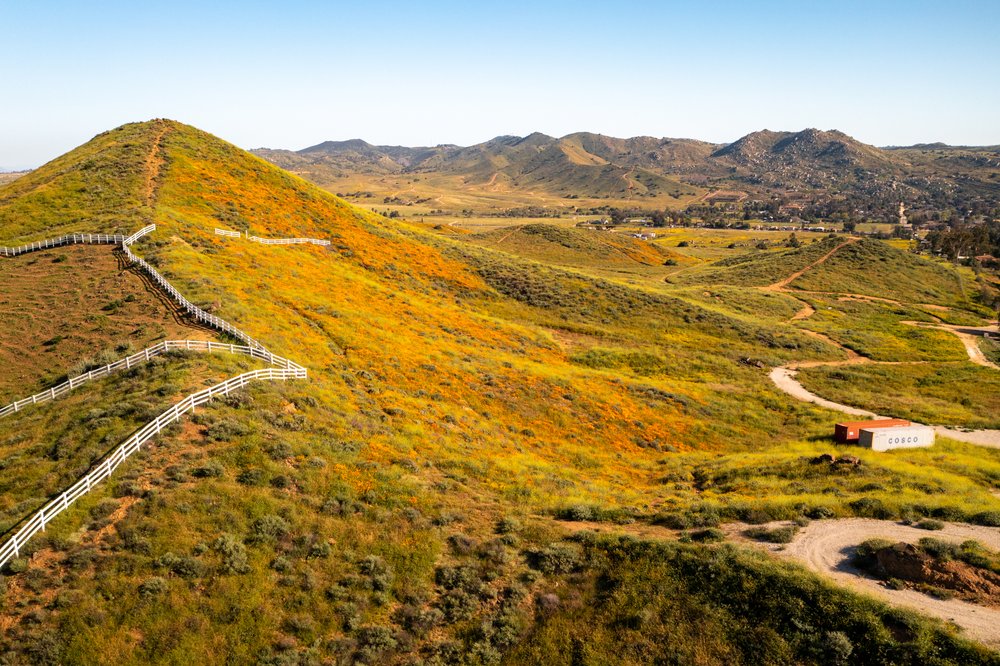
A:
(400, 505)
(808, 165)
(575, 247)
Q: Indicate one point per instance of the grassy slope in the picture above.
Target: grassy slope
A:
(873, 268)
(450, 387)
(949, 394)
(63, 306)
(758, 269)
(97, 187)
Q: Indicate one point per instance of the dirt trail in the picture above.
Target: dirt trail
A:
(154, 163)
(826, 547)
(782, 284)
(784, 376)
(967, 335)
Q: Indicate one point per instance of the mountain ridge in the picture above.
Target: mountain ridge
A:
(590, 165)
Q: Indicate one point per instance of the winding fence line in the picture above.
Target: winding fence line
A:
(281, 369)
(271, 241)
(141, 357)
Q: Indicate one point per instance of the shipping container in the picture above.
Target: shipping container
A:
(900, 437)
(849, 431)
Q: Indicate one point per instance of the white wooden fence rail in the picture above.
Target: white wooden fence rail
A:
(287, 241)
(141, 357)
(37, 522)
(72, 239)
(226, 232)
(281, 369)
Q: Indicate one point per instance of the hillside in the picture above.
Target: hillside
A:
(417, 497)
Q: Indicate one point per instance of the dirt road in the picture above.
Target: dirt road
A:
(969, 335)
(826, 547)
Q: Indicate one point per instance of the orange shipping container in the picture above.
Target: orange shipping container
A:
(850, 431)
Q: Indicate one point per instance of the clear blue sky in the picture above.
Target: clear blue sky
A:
(291, 74)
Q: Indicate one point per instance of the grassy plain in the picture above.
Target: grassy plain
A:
(462, 393)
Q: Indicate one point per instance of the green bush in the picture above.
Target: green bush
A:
(783, 534)
(234, 554)
(557, 558)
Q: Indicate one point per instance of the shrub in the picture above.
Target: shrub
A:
(153, 586)
(820, 512)
(988, 518)
(557, 558)
(461, 544)
(930, 524)
(268, 529)
(211, 469)
(783, 534)
(234, 554)
(226, 430)
(457, 605)
(870, 507)
(579, 512)
(508, 526)
(17, 565)
(864, 554)
(708, 535)
(378, 571)
(251, 477)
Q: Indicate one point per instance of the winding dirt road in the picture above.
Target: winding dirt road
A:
(783, 377)
(826, 547)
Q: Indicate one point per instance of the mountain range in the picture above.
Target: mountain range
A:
(810, 163)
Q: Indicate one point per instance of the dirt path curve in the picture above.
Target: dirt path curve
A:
(826, 547)
(780, 285)
(968, 336)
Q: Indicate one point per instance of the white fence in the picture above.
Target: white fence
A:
(287, 241)
(271, 241)
(282, 368)
(72, 239)
(103, 469)
(140, 358)
(189, 307)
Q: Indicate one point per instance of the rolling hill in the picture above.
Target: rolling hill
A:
(417, 497)
(809, 165)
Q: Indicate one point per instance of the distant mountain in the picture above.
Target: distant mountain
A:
(809, 163)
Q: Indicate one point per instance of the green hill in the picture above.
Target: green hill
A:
(416, 498)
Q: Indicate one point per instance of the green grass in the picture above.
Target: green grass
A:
(873, 268)
(758, 268)
(640, 600)
(875, 329)
(956, 394)
(991, 348)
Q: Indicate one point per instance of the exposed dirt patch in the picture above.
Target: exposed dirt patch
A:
(60, 306)
(906, 562)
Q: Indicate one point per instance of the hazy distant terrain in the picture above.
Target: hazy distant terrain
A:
(584, 169)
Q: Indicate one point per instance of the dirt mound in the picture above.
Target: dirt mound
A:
(909, 563)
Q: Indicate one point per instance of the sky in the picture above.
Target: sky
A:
(295, 73)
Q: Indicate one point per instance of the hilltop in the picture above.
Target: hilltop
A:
(471, 401)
